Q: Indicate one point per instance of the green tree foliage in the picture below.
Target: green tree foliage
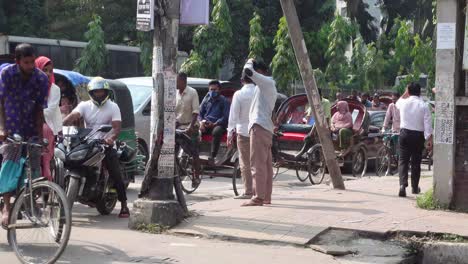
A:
(26, 18)
(211, 44)
(339, 38)
(320, 79)
(93, 58)
(257, 41)
(403, 47)
(423, 59)
(145, 40)
(374, 65)
(284, 64)
(317, 45)
(419, 11)
(314, 15)
(357, 12)
(241, 12)
(358, 77)
(3, 18)
(69, 18)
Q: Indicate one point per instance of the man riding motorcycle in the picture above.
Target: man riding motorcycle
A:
(97, 112)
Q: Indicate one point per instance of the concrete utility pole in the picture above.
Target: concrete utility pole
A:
(159, 204)
(450, 166)
(307, 73)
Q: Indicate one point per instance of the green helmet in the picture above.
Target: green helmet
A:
(98, 83)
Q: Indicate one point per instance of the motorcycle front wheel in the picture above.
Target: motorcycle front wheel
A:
(106, 205)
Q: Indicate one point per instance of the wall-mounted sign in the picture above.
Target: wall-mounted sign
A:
(145, 15)
(446, 34)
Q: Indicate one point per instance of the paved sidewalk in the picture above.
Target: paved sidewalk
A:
(300, 212)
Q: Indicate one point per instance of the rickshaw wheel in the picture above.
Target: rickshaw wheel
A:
(382, 163)
(316, 164)
(359, 165)
(301, 175)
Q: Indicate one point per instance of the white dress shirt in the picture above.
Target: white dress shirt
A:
(52, 114)
(240, 110)
(264, 99)
(415, 115)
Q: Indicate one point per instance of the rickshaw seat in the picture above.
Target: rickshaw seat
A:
(292, 136)
(209, 138)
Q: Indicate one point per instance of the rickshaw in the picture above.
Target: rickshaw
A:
(73, 86)
(227, 158)
(227, 163)
(292, 128)
(357, 157)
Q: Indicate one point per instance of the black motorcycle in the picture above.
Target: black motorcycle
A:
(81, 172)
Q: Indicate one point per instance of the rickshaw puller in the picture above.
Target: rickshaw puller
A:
(187, 110)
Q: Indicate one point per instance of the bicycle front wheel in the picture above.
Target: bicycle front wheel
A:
(40, 224)
(382, 162)
(185, 173)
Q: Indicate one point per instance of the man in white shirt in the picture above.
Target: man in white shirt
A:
(239, 123)
(97, 112)
(415, 129)
(261, 132)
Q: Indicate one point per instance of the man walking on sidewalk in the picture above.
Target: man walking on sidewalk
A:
(415, 129)
(261, 132)
(239, 123)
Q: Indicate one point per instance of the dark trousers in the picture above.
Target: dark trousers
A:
(217, 133)
(411, 147)
(113, 167)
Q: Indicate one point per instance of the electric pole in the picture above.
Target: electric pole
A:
(307, 73)
(158, 203)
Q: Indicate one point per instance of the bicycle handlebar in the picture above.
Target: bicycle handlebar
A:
(19, 141)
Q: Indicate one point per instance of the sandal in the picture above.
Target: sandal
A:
(254, 202)
(124, 213)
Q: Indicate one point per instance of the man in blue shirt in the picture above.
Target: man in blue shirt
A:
(214, 116)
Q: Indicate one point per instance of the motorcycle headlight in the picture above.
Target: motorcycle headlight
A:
(78, 155)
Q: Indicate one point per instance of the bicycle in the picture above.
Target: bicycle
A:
(387, 156)
(40, 210)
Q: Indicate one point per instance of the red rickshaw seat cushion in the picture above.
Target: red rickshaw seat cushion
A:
(292, 136)
(209, 138)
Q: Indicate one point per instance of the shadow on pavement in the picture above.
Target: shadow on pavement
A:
(88, 252)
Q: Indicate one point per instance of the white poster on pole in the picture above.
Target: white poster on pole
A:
(166, 159)
(465, 48)
(145, 15)
(446, 35)
(194, 12)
